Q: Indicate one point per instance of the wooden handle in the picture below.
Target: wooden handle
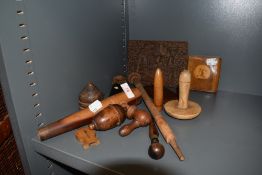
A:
(153, 132)
(166, 131)
(156, 150)
(128, 128)
(184, 86)
(158, 89)
(141, 119)
(81, 118)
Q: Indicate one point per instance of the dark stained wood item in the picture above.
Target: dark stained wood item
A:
(156, 150)
(205, 71)
(165, 129)
(140, 117)
(144, 57)
(82, 117)
(116, 82)
(110, 117)
(89, 94)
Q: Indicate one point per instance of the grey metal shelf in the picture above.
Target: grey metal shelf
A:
(224, 139)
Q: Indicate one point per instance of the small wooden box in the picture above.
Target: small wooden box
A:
(205, 72)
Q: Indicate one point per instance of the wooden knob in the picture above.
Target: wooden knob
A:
(184, 86)
(158, 89)
(141, 118)
(156, 150)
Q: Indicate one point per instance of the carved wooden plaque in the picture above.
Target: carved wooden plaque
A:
(145, 57)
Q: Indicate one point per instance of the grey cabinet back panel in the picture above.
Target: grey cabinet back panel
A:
(230, 29)
(50, 50)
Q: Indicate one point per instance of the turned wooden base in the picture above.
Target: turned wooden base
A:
(191, 112)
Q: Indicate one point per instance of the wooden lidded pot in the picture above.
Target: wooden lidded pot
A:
(89, 94)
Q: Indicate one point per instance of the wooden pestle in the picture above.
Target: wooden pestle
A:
(81, 118)
(166, 131)
(182, 108)
(140, 117)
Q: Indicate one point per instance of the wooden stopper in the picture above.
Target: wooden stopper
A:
(182, 108)
(158, 89)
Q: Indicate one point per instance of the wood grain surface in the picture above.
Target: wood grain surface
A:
(205, 71)
(144, 57)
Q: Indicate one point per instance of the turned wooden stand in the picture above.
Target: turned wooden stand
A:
(182, 108)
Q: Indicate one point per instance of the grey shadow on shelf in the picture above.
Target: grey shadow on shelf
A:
(124, 167)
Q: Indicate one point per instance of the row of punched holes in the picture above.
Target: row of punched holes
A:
(29, 61)
(32, 84)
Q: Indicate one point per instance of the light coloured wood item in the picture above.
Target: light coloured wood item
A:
(163, 126)
(182, 108)
(158, 89)
(205, 72)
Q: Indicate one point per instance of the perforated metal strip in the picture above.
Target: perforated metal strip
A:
(27, 55)
(124, 26)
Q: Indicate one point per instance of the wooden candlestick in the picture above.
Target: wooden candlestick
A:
(182, 108)
(158, 89)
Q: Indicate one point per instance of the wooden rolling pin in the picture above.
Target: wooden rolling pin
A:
(81, 118)
(166, 131)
